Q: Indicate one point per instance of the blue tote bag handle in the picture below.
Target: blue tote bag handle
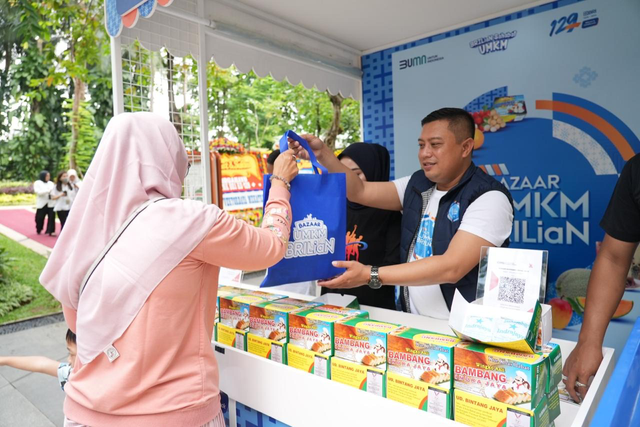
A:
(284, 146)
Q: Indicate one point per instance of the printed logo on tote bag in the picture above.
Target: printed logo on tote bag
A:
(310, 238)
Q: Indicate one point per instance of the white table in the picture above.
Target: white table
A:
(301, 399)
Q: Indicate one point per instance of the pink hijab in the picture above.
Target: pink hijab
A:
(140, 158)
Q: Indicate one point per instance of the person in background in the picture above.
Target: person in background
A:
(450, 210)
(44, 365)
(621, 223)
(144, 315)
(271, 159)
(75, 182)
(44, 205)
(373, 235)
(62, 193)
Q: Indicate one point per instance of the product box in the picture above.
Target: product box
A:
(478, 411)
(553, 355)
(367, 378)
(363, 341)
(309, 361)
(420, 369)
(499, 327)
(234, 309)
(513, 378)
(422, 355)
(226, 291)
(269, 349)
(553, 401)
(270, 319)
(418, 394)
(313, 329)
(232, 337)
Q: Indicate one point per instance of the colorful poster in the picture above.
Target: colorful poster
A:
(241, 182)
(240, 172)
(553, 94)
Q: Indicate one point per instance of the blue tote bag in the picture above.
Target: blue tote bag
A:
(318, 227)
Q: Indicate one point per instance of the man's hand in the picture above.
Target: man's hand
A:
(315, 143)
(604, 292)
(356, 275)
(582, 364)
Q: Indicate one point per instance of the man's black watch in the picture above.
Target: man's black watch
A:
(374, 279)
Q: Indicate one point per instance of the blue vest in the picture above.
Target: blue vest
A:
(474, 183)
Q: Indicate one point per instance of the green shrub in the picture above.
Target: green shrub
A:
(17, 199)
(12, 293)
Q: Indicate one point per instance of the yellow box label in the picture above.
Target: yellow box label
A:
(359, 376)
(231, 336)
(351, 374)
(226, 335)
(259, 346)
(408, 391)
(477, 411)
(300, 358)
(308, 361)
(418, 394)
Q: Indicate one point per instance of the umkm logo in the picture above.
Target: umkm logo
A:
(493, 42)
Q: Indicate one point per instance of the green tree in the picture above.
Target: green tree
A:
(55, 50)
(80, 24)
(28, 96)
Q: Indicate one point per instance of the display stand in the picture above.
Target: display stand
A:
(301, 399)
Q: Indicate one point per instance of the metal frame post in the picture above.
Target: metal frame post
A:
(116, 76)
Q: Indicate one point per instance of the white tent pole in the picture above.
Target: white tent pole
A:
(116, 76)
(204, 107)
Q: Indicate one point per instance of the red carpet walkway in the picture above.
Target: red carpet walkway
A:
(23, 221)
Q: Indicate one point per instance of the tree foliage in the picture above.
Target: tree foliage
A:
(258, 110)
(53, 51)
(56, 98)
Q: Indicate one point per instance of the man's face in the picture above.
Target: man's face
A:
(269, 168)
(441, 156)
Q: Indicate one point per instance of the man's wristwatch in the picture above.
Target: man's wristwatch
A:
(374, 280)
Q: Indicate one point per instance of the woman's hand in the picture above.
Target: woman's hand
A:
(286, 166)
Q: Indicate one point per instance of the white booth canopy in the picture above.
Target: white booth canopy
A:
(318, 43)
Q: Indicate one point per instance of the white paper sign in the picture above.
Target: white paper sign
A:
(514, 278)
(228, 276)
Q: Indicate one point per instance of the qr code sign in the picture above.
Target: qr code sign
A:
(511, 289)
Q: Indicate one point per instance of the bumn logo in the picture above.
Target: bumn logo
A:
(419, 60)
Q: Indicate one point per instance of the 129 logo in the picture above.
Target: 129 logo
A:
(568, 23)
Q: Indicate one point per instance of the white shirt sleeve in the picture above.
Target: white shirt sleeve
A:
(490, 217)
(40, 188)
(401, 187)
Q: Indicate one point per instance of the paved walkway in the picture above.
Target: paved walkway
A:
(28, 399)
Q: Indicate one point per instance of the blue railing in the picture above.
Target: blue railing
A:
(620, 404)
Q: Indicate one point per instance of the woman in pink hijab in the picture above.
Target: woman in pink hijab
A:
(136, 271)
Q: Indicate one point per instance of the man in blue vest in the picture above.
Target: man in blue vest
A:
(451, 209)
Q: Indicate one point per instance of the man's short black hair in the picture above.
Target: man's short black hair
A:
(273, 156)
(71, 337)
(460, 122)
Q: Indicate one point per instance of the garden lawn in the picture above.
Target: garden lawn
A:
(25, 267)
